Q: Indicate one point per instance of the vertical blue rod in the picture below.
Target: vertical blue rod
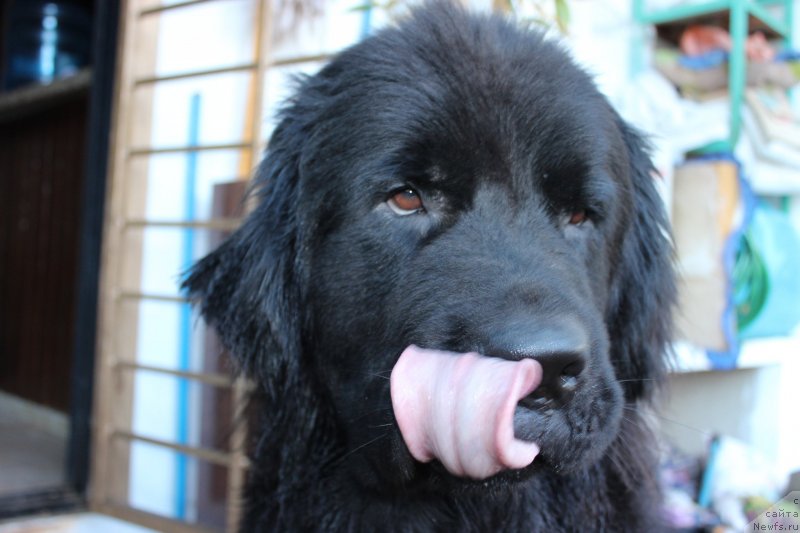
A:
(366, 22)
(184, 350)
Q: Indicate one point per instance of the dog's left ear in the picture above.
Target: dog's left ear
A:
(643, 291)
(249, 288)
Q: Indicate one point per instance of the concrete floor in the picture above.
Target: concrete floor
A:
(75, 523)
(33, 443)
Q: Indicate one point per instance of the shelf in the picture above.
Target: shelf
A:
(680, 12)
(768, 351)
(783, 182)
(33, 98)
(760, 17)
(739, 17)
(760, 13)
(715, 147)
(755, 353)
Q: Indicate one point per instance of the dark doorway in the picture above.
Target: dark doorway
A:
(53, 155)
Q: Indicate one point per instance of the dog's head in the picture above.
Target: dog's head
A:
(456, 184)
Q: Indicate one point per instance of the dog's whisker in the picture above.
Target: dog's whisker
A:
(621, 435)
(633, 421)
(364, 414)
(383, 374)
(703, 432)
(617, 461)
(677, 423)
(357, 448)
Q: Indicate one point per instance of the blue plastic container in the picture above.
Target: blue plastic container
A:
(46, 40)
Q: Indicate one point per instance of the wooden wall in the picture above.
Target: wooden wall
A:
(41, 171)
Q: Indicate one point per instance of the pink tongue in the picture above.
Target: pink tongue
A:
(459, 409)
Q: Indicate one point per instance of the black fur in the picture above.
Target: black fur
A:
(324, 285)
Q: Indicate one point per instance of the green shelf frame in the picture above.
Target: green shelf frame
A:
(739, 12)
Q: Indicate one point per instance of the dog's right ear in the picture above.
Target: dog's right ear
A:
(249, 288)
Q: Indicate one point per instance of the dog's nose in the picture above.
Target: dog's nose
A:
(561, 348)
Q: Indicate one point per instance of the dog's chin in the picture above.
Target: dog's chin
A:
(564, 447)
(503, 480)
(563, 451)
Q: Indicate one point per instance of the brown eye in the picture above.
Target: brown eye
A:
(578, 217)
(405, 202)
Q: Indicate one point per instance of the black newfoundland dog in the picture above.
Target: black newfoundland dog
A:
(454, 293)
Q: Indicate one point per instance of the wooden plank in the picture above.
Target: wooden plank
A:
(170, 7)
(114, 394)
(146, 80)
(139, 151)
(135, 295)
(212, 456)
(36, 98)
(215, 380)
(218, 224)
(238, 444)
(299, 60)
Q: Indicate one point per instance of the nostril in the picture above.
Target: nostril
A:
(560, 371)
(574, 368)
(569, 376)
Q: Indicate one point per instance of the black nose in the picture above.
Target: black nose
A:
(561, 347)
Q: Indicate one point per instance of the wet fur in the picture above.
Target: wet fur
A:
(322, 287)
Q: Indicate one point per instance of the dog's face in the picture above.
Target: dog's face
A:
(457, 186)
(481, 212)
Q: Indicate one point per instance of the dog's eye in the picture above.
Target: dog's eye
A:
(578, 217)
(405, 202)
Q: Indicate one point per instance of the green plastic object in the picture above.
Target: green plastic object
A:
(765, 276)
(751, 282)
